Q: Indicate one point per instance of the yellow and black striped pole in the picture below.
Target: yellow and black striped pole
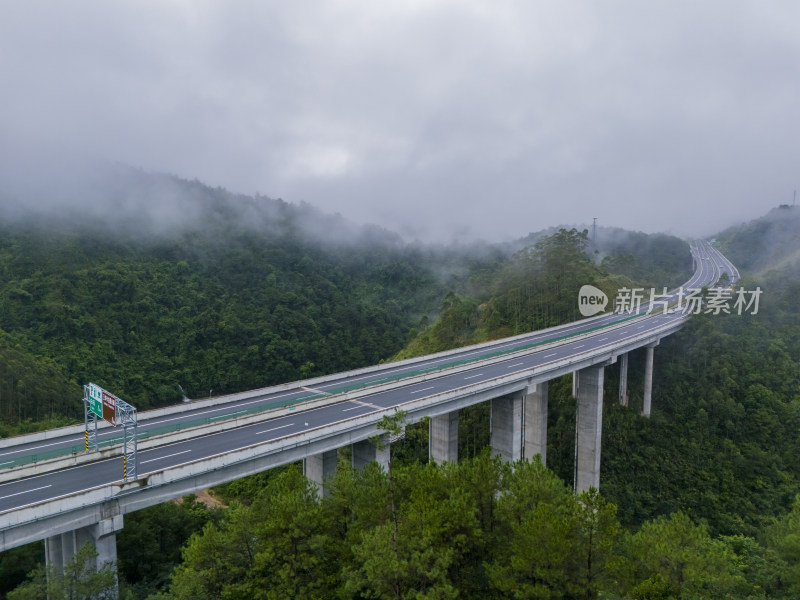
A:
(124, 467)
(87, 440)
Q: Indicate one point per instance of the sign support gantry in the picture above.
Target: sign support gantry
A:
(98, 402)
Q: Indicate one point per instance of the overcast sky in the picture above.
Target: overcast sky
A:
(438, 119)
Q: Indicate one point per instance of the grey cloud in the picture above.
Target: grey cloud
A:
(444, 120)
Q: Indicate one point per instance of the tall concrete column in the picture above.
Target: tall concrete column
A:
(506, 427)
(535, 421)
(648, 381)
(588, 428)
(321, 467)
(623, 380)
(443, 438)
(60, 550)
(104, 535)
(365, 451)
(54, 552)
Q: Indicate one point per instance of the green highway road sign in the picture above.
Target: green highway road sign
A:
(96, 400)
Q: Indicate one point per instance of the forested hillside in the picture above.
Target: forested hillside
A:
(538, 287)
(243, 293)
(655, 260)
(765, 243)
(158, 288)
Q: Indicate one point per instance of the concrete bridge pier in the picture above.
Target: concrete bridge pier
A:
(535, 421)
(365, 451)
(443, 437)
(60, 549)
(506, 426)
(648, 380)
(588, 428)
(623, 380)
(320, 467)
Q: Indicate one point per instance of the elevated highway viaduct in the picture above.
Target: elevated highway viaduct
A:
(51, 490)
